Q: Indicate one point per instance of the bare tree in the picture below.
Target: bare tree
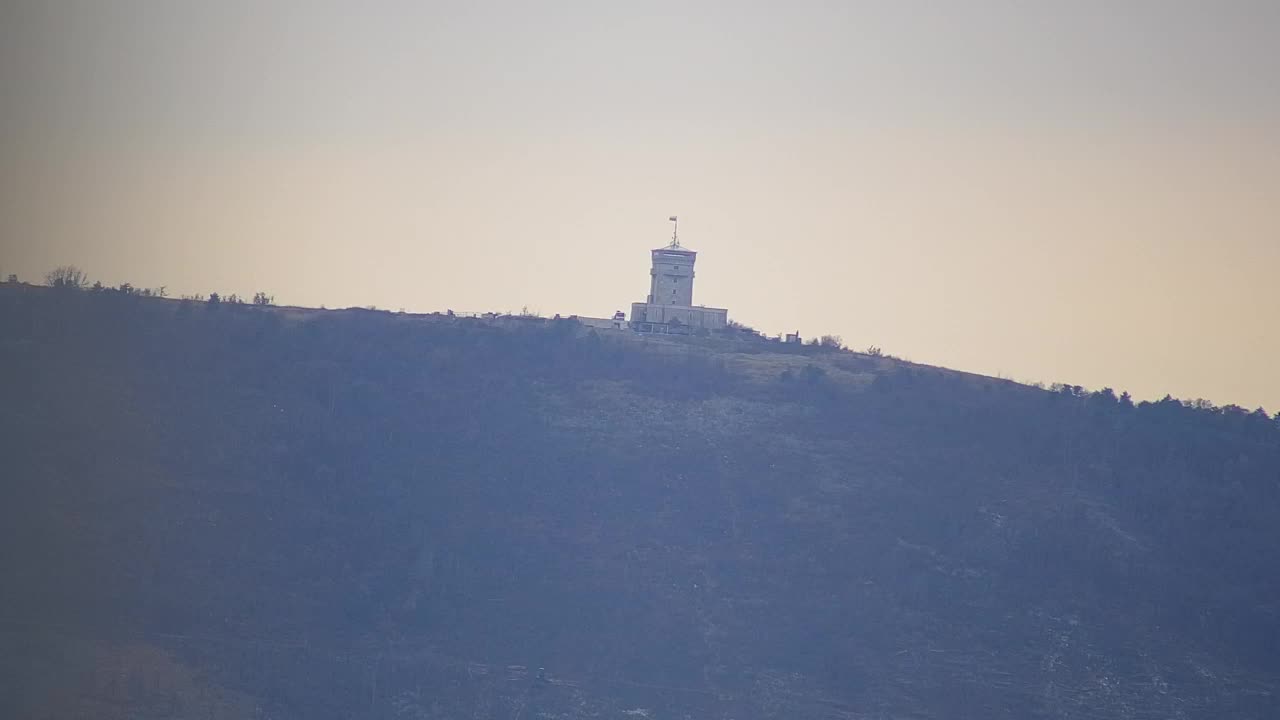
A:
(66, 276)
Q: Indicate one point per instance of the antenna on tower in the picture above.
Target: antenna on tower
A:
(675, 237)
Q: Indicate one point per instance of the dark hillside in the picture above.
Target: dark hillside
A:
(237, 511)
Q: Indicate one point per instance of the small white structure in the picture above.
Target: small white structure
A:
(601, 323)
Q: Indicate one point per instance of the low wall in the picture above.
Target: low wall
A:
(692, 317)
(601, 323)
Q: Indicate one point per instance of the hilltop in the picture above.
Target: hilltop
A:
(248, 511)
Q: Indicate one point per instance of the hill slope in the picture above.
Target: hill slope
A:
(265, 512)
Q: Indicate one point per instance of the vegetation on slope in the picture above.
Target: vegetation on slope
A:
(238, 510)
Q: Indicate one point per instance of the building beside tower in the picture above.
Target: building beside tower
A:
(669, 307)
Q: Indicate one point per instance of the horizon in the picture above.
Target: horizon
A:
(526, 313)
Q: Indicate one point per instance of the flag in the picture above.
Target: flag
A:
(672, 218)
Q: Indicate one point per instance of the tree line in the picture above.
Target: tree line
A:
(70, 277)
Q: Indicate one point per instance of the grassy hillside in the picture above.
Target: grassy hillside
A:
(238, 511)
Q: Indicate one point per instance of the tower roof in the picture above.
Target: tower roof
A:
(675, 249)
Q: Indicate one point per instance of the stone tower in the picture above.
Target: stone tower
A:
(671, 278)
(669, 307)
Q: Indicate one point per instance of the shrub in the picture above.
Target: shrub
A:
(66, 276)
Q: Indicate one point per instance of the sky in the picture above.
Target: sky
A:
(1083, 192)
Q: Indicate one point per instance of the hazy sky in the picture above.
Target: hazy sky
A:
(1071, 191)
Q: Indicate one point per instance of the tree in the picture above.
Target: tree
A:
(812, 374)
(1104, 397)
(261, 298)
(66, 276)
(834, 342)
(214, 299)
